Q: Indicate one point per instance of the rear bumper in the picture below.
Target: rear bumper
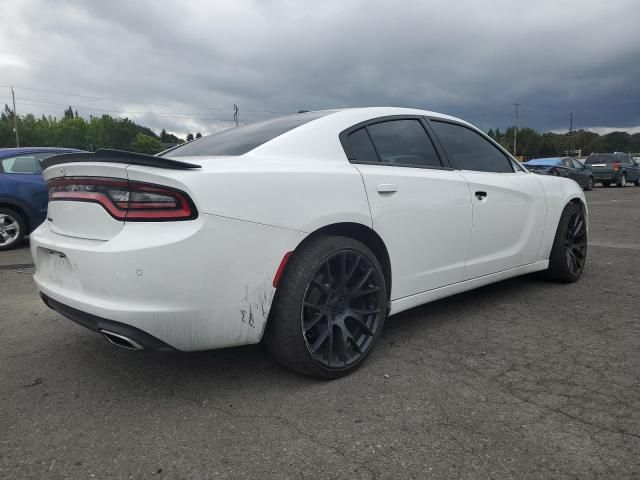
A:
(606, 177)
(98, 324)
(195, 285)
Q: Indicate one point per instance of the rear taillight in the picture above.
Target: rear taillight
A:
(125, 200)
(616, 167)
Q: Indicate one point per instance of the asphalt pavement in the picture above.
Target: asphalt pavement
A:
(521, 379)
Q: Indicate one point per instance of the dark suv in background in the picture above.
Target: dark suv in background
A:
(618, 168)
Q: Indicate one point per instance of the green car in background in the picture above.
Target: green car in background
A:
(618, 168)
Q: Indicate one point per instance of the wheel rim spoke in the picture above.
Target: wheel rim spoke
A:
(315, 321)
(358, 286)
(9, 229)
(576, 244)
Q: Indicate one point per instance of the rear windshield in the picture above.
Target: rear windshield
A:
(240, 140)
(605, 158)
(543, 161)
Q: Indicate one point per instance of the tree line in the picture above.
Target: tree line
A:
(74, 131)
(532, 144)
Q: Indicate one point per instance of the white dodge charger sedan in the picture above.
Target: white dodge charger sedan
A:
(306, 230)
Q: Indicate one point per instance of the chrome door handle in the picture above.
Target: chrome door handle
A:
(481, 195)
(387, 188)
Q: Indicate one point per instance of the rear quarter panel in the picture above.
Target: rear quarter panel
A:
(298, 194)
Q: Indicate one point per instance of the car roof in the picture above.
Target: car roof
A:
(9, 152)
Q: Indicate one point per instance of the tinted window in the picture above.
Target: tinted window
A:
(600, 158)
(361, 148)
(469, 150)
(29, 163)
(577, 164)
(403, 142)
(567, 163)
(240, 140)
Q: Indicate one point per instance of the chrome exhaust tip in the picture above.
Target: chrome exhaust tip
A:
(120, 340)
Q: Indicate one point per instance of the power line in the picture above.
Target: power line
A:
(222, 109)
(33, 102)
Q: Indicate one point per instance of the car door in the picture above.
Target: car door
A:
(571, 172)
(509, 206)
(419, 205)
(582, 173)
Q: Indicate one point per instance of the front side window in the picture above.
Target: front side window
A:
(468, 150)
(29, 163)
(403, 142)
(577, 164)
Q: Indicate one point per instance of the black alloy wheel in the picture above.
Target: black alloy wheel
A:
(590, 184)
(569, 252)
(576, 243)
(341, 311)
(329, 308)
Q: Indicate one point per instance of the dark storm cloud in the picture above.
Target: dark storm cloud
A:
(466, 58)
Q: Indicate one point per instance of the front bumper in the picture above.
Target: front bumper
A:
(190, 285)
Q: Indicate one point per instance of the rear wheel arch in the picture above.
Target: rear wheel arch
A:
(361, 233)
(580, 203)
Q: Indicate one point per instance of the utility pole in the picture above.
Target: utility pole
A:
(15, 118)
(235, 113)
(570, 133)
(515, 131)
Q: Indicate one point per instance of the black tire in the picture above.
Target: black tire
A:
(12, 228)
(637, 182)
(316, 305)
(569, 251)
(590, 184)
(623, 180)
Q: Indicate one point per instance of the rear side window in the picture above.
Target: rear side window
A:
(403, 142)
(29, 163)
(240, 140)
(361, 147)
(468, 150)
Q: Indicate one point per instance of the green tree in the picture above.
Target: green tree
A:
(146, 144)
(189, 137)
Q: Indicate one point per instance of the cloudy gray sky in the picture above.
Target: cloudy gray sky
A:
(182, 65)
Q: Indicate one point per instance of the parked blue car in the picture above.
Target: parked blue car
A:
(23, 192)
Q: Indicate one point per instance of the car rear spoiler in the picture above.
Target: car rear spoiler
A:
(118, 156)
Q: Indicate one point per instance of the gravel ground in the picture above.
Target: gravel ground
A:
(522, 379)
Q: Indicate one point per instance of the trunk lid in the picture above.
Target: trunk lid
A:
(83, 219)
